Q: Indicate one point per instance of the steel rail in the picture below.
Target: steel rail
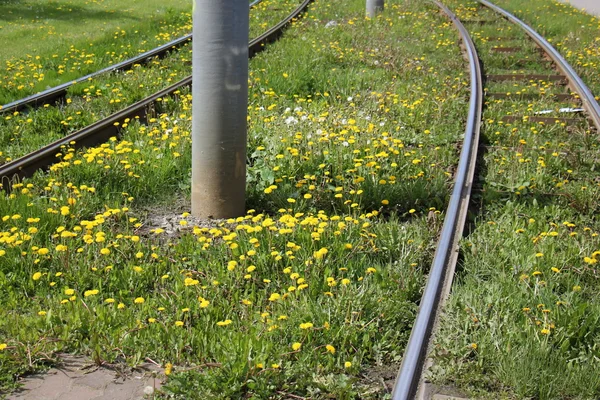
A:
(446, 254)
(587, 98)
(102, 130)
(56, 92)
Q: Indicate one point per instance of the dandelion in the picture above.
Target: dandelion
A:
(89, 293)
(3, 346)
(275, 366)
(42, 313)
(274, 297)
(178, 323)
(203, 302)
(347, 364)
(104, 251)
(121, 306)
(371, 270)
(168, 369)
(43, 251)
(190, 282)
(330, 349)
(306, 325)
(69, 292)
(36, 276)
(224, 323)
(109, 301)
(296, 346)
(139, 300)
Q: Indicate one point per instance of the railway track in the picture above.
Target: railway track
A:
(102, 130)
(559, 91)
(56, 93)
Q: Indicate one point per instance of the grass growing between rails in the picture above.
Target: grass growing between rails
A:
(574, 33)
(86, 103)
(46, 44)
(352, 142)
(522, 319)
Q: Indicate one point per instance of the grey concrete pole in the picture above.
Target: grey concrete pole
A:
(374, 7)
(219, 107)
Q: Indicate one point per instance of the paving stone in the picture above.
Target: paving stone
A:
(71, 382)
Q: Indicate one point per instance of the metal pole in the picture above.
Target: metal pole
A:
(374, 7)
(219, 108)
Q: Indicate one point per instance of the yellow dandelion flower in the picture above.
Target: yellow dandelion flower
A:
(36, 276)
(274, 297)
(139, 300)
(190, 282)
(330, 349)
(347, 364)
(224, 323)
(296, 346)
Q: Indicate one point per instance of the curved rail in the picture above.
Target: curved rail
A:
(444, 262)
(102, 130)
(587, 98)
(56, 92)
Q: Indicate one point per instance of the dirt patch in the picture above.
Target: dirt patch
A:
(169, 217)
(380, 378)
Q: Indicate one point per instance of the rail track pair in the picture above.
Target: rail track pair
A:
(410, 378)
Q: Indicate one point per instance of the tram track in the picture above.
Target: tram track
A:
(110, 126)
(411, 381)
(58, 92)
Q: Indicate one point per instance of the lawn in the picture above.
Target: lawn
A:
(352, 139)
(49, 42)
(522, 321)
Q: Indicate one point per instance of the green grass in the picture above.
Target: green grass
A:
(50, 42)
(352, 139)
(86, 103)
(522, 319)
